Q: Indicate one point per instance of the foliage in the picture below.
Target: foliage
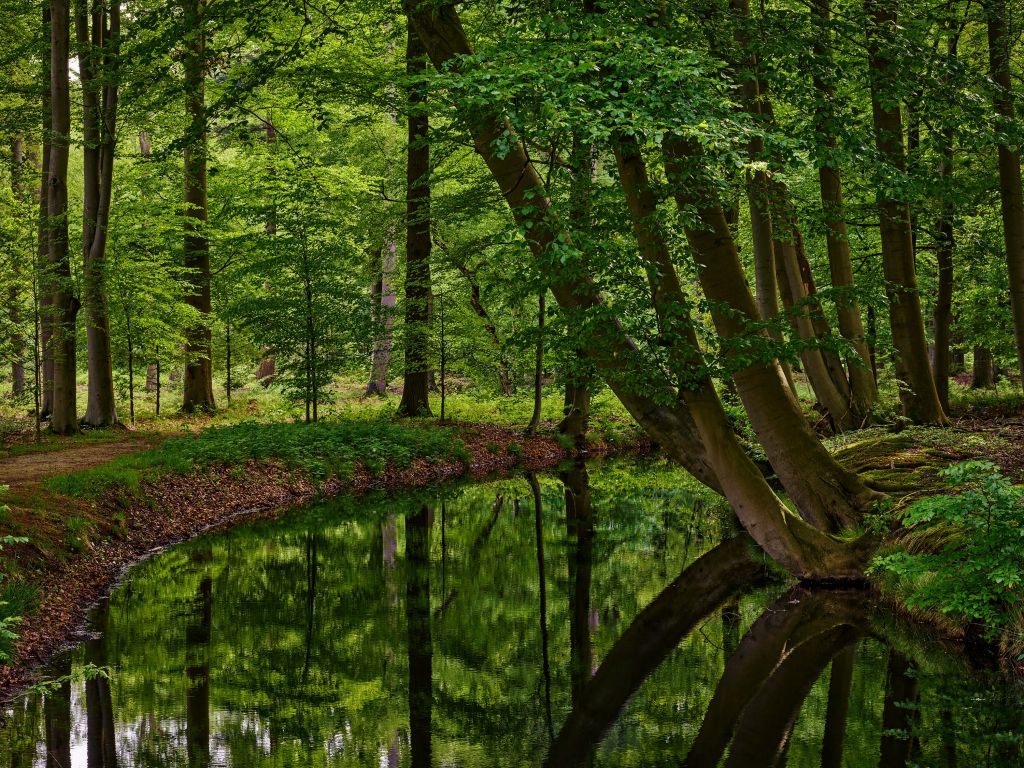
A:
(978, 570)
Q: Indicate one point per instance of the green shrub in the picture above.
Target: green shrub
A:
(977, 570)
(8, 621)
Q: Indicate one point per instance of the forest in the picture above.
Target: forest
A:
(769, 256)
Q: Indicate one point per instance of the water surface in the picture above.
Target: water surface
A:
(588, 618)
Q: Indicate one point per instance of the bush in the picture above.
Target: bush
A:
(977, 571)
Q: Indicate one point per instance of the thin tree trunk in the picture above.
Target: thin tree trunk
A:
(944, 250)
(504, 375)
(1010, 191)
(416, 386)
(14, 298)
(383, 265)
(538, 368)
(64, 418)
(913, 369)
(43, 265)
(98, 48)
(197, 387)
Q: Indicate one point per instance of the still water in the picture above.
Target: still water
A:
(601, 616)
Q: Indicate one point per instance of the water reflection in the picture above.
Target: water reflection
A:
(584, 620)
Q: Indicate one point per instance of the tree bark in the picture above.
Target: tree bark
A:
(98, 49)
(197, 386)
(1010, 192)
(64, 417)
(913, 369)
(416, 387)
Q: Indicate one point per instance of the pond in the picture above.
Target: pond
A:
(600, 616)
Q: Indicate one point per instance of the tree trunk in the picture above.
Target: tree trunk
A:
(45, 269)
(64, 418)
(14, 295)
(98, 49)
(504, 375)
(538, 368)
(1010, 192)
(383, 265)
(913, 369)
(197, 387)
(689, 430)
(983, 372)
(151, 377)
(944, 249)
(416, 386)
(864, 391)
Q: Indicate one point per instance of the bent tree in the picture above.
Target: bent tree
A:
(689, 420)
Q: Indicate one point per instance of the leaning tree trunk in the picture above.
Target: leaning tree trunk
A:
(64, 417)
(197, 387)
(1010, 192)
(917, 385)
(416, 387)
(830, 490)
(98, 49)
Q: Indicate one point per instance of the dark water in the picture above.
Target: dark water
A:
(571, 621)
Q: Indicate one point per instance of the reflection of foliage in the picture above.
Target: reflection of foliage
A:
(307, 656)
(977, 568)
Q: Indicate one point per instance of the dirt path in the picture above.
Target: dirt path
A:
(30, 468)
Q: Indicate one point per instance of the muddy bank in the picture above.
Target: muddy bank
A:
(178, 507)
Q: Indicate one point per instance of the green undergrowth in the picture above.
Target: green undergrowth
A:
(961, 554)
(318, 450)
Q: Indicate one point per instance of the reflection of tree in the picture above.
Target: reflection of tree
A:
(542, 588)
(839, 683)
(197, 660)
(795, 618)
(579, 522)
(696, 592)
(101, 748)
(420, 642)
(57, 713)
(898, 740)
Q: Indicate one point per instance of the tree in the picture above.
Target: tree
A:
(65, 305)
(98, 31)
(416, 386)
(198, 380)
